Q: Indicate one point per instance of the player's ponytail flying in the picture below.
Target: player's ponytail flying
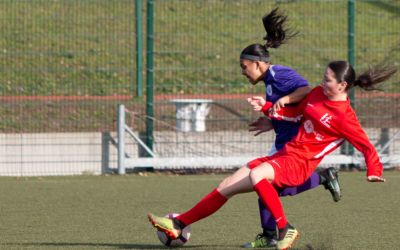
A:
(344, 72)
(276, 35)
(373, 76)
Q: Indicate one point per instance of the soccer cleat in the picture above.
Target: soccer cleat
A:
(286, 238)
(330, 180)
(165, 225)
(262, 241)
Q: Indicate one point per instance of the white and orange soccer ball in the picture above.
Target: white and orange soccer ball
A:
(169, 242)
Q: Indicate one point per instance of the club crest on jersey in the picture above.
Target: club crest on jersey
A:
(269, 90)
(326, 120)
(308, 126)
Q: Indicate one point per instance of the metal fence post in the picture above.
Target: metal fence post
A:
(139, 47)
(351, 52)
(351, 41)
(121, 139)
(150, 74)
(347, 148)
(105, 152)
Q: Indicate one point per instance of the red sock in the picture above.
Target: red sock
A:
(207, 206)
(271, 200)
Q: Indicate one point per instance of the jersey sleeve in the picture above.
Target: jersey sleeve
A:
(287, 113)
(352, 131)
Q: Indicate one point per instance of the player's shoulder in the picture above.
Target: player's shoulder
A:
(349, 112)
(282, 68)
(317, 89)
(316, 95)
(284, 72)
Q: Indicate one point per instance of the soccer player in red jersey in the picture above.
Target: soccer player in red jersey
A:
(327, 119)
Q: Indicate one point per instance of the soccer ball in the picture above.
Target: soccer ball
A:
(180, 241)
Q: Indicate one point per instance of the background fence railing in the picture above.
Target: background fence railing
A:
(67, 64)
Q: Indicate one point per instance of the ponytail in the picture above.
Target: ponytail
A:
(373, 76)
(277, 35)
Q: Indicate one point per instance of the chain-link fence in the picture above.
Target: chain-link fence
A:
(67, 64)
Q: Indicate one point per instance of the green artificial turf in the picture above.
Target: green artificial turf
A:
(109, 212)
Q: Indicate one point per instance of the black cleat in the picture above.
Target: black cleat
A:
(330, 180)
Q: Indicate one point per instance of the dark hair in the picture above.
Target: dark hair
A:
(277, 35)
(274, 25)
(344, 72)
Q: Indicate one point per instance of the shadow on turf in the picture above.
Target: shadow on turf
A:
(117, 246)
(147, 246)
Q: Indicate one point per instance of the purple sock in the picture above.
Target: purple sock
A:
(267, 221)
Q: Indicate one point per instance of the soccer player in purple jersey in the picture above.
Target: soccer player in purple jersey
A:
(284, 86)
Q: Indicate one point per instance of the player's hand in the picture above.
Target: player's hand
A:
(374, 178)
(261, 125)
(280, 103)
(257, 102)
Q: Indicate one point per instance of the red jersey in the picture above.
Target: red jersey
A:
(325, 125)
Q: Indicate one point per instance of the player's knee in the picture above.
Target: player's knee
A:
(225, 189)
(224, 184)
(264, 171)
(255, 176)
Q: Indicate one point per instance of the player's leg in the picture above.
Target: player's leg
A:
(312, 182)
(268, 237)
(329, 178)
(261, 177)
(239, 182)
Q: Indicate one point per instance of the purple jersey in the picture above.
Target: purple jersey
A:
(280, 81)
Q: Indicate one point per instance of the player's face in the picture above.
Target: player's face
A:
(330, 85)
(251, 70)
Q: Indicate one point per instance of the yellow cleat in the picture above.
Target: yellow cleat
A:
(165, 225)
(286, 237)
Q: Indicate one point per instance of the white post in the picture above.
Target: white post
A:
(199, 114)
(191, 114)
(121, 139)
(183, 116)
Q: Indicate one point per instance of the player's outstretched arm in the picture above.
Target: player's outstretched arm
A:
(289, 113)
(353, 132)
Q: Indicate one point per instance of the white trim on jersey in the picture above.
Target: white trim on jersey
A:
(290, 119)
(272, 71)
(329, 147)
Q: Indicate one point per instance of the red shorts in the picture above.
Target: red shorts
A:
(290, 170)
